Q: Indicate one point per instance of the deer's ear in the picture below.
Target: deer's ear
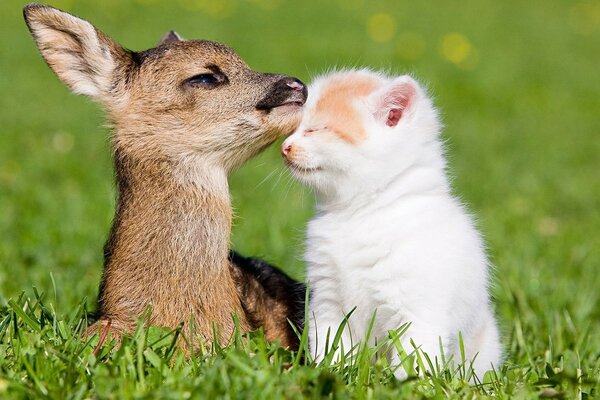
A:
(84, 58)
(395, 100)
(169, 37)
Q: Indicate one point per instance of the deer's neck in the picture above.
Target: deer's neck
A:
(169, 243)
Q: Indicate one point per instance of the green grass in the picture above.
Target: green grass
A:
(519, 90)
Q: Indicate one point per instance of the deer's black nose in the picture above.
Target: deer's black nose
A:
(296, 84)
(287, 90)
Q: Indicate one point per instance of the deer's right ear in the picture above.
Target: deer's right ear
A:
(82, 57)
(168, 38)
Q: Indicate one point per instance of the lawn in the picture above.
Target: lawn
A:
(519, 89)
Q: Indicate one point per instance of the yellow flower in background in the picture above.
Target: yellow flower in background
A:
(411, 46)
(381, 27)
(3, 385)
(457, 49)
(584, 17)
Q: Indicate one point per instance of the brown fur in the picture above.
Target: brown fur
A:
(269, 298)
(174, 143)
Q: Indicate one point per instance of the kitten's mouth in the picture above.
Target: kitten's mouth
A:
(295, 167)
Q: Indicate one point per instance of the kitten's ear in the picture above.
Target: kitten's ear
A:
(84, 58)
(395, 100)
(169, 37)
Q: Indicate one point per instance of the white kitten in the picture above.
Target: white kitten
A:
(388, 235)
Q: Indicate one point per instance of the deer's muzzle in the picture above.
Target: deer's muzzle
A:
(285, 91)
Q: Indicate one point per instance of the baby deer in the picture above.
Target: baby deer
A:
(184, 115)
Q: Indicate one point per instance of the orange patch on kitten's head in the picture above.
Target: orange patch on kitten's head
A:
(335, 105)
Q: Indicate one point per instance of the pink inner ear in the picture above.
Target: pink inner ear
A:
(393, 117)
(397, 101)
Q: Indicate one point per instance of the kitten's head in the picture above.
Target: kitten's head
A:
(359, 127)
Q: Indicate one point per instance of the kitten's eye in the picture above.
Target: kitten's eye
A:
(310, 131)
(206, 80)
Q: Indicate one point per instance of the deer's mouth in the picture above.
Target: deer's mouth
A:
(296, 98)
(291, 104)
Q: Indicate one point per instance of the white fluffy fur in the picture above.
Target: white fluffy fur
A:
(388, 234)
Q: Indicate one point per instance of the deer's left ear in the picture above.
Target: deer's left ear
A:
(84, 58)
(395, 100)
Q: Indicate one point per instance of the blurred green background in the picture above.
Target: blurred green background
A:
(518, 85)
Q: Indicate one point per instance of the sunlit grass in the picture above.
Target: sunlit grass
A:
(518, 89)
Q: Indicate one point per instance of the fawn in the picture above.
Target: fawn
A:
(184, 114)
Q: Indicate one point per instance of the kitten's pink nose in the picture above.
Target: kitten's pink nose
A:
(286, 148)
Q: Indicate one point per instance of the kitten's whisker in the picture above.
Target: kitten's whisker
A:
(289, 185)
(281, 171)
(266, 178)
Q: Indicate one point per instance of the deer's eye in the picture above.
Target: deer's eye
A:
(207, 80)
